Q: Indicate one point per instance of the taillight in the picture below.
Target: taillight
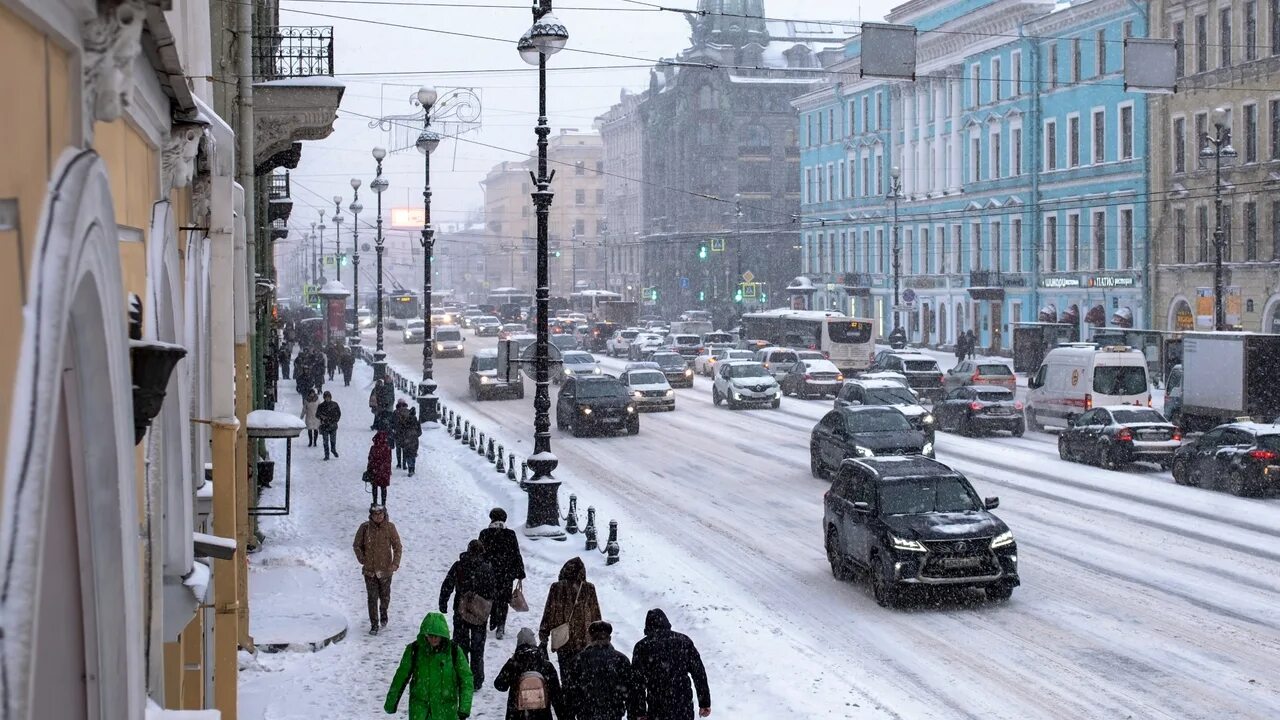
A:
(1148, 399)
(1125, 435)
(1264, 454)
(1088, 401)
(1017, 405)
(807, 376)
(975, 406)
(974, 378)
(1177, 434)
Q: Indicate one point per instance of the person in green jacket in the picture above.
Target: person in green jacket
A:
(437, 673)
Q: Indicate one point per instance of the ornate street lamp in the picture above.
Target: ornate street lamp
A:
(355, 207)
(1218, 147)
(337, 237)
(427, 142)
(378, 185)
(895, 194)
(320, 227)
(546, 37)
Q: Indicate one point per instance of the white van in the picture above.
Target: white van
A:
(1077, 377)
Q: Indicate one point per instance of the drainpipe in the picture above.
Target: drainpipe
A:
(245, 292)
(1148, 293)
(1037, 226)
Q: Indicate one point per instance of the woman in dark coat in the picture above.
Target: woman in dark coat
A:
(528, 658)
(378, 471)
(570, 600)
(408, 432)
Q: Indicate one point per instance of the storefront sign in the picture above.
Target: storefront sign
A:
(1112, 281)
(1013, 281)
(922, 283)
(1060, 282)
(1204, 307)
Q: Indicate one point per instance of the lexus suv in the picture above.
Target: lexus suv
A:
(744, 382)
(595, 402)
(913, 523)
(866, 431)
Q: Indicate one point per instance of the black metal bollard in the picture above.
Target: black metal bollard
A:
(590, 529)
(571, 520)
(524, 472)
(511, 467)
(471, 441)
(500, 466)
(488, 452)
(457, 428)
(466, 432)
(480, 447)
(611, 548)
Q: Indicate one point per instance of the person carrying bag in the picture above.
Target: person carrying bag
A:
(571, 607)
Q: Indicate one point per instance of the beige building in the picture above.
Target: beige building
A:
(622, 134)
(575, 227)
(1227, 49)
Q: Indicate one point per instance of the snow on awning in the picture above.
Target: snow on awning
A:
(272, 424)
(214, 546)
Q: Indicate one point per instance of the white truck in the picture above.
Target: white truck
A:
(1227, 376)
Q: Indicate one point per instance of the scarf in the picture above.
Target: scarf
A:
(497, 524)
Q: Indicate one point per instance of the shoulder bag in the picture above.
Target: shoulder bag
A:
(560, 633)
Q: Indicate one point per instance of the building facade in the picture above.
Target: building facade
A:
(1022, 176)
(622, 137)
(1227, 49)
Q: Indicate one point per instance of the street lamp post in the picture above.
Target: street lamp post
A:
(337, 237)
(315, 256)
(895, 194)
(1218, 146)
(321, 228)
(355, 207)
(378, 185)
(546, 37)
(427, 143)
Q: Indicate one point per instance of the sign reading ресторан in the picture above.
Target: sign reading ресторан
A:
(1112, 281)
(1060, 282)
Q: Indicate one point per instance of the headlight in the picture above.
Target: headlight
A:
(485, 379)
(863, 451)
(928, 448)
(688, 372)
(637, 394)
(905, 544)
(1004, 538)
(631, 408)
(584, 409)
(670, 393)
(737, 395)
(596, 371)
(440, 346)
(927, 419)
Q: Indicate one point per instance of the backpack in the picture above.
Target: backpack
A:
(531, 691)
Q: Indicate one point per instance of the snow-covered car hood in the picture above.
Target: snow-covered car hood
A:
(753, 381)
(649, 386)
(911, 411)
(945, 526)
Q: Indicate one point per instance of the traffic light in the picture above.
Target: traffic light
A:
(342, 259)
(737, 295)
(556, 253)
(702, 252)
(701, 296)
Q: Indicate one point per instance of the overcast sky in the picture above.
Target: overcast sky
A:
(383, 47)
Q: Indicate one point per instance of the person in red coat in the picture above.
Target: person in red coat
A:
(378, 471)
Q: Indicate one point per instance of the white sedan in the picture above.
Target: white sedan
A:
(576, 362)
(648, 387)
(705, 364)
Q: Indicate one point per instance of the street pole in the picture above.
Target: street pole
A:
(321, 228)
(378, 185)
(315, 256)
(895, 193)
(355, 207)
(337, 238)
(427, 143)
(1218, 146)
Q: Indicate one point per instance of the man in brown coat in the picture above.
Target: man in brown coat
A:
(572, 601)
(378, 549)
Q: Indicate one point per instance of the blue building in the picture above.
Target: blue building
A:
(1022, 174)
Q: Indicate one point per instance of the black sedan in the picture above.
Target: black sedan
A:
(858, 432)
(1116, 436)
(676, 367)
(1242, 458)
(972, 409)
(595, 402)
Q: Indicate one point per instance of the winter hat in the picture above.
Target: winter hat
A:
(498, 515)
(526, 637)
(475, 547)
(600, 630)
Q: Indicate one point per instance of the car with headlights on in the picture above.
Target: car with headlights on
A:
(648, 386)
(973, 409)
(575, 362)
(705, 364)
(448, 341)
(675, 367)
(812, 378)
(1242, 458)
(589, 403)
(509, 330)
(486, 326)
(744, 382)
(644, 345)
(913, 523)
(483, 381)
(887, 393)
(858, 432)
(1118, 435)
(413, 331)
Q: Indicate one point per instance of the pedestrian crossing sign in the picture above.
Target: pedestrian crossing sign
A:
(717, 244)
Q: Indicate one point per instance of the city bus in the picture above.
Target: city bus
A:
(401, 306)
(588, 302)
(849, 342)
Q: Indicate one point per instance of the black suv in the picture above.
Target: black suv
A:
(595, 402)
(921, 371)
(865, 431)
(1241, 458)
(912, 522)
(483, 381)
(675, 367)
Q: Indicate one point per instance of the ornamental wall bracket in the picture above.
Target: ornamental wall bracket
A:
(286, 158)
(178, 157)
(112, 40)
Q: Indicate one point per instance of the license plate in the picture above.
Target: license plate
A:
(1151, 435)
(961, 562)
(1272, 471)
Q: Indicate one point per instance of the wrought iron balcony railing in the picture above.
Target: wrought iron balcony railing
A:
(293, 52)
(279, 188)
(985, 278)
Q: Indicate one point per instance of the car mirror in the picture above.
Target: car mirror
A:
(1071, 422)
(991, 503)
(862, 507)
(854, 402)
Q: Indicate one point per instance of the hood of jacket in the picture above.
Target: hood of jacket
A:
(434, 624)
(574, 571)
(656, 621)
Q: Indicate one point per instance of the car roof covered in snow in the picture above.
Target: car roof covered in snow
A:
(876, 383)
(904, 466)
(1257, 428)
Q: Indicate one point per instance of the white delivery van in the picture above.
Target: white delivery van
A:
(1077, 377)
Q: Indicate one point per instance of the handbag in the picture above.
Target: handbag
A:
(560, 633)
(473, 609)
(518, 603)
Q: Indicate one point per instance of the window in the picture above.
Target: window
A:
(975, 246)
(995, 79)
(1250, 133)
(818, 139)
(1179, 48)
(1224, 36)
(1180, 236)
(1179, 145)
(808, 130)
(1273, 108)
(1099, 146)
(1251, 30)
(1075, 60)
(1202, 43)
(1126, 29)
(1050, 145)
(882, 251)
(1126, 238)
(599, 167)
(579, 197)
(831, 181)
(1073, 242)
(975, 158)
(579, 227)
(994, 261)
(880, 121)
(994, 163)
(1073, 141)
(1015, 245)
(1015, 73)
(831, 124)
(1050, 261)
(1126, 132)
(1275, 26)
(866, 177)
(1202, 233)
(1275, 230)
(866, 114)
(1100, 52)
(975, 84)
(807, 190)
(879, 174)
(1053, 66)
(843, 191)
(1015, 151)
(926, 252)
(1250, 231)
(1099, 251)
(955, 248)
(1202, 126)
(600, 197)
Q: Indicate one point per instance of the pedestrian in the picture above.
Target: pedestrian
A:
(378, 551)
(329, 413)
(435, 670)
(382, 399)
(378, 472)
(331, 358)
(472, 578)
(571, 608)
(959, 350)
(347, 363)
(664, 661)
(317, 369)
(309, 407)
(407, 440)
(602, 684)
(300, 372)
(898, 338)
(286, 356)
(503, 550)
(399, 430)
(531, 682)
(970, 344)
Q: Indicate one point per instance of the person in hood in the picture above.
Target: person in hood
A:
(898, 338)
(602, 684)
(572, 601)
(502, 547)
(347, 363)
(664, 661)
(378, 472)
(377, 547)
(514, 678)
(408, 437)
(435, 670)
(309, 407)
(400, 430)
(472, 577)
(329, 413)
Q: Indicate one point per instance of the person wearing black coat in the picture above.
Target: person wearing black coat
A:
(470, 574)
(329, 413)
(301, 375)
(528, 658)
(602, 684)
(347, 363)
(502, 548)
(316, 370)
(408, 434)
(664, 661)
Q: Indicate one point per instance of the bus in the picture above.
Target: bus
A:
(401, 306)
(588, 302)
(849, 342)
(510, 304)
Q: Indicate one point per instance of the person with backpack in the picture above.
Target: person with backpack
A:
(664, 661)
(378, 550)
(329, 413)
(502, 547)
(571, 607)
(378, 472)
(531, 682)
(435, 671)
(472, 577)
(408, 434)
(602, 684)
(310, 405)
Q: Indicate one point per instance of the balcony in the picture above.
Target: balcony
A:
(292, 52)
(279, 201)
(986, 285)
(295, 95)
